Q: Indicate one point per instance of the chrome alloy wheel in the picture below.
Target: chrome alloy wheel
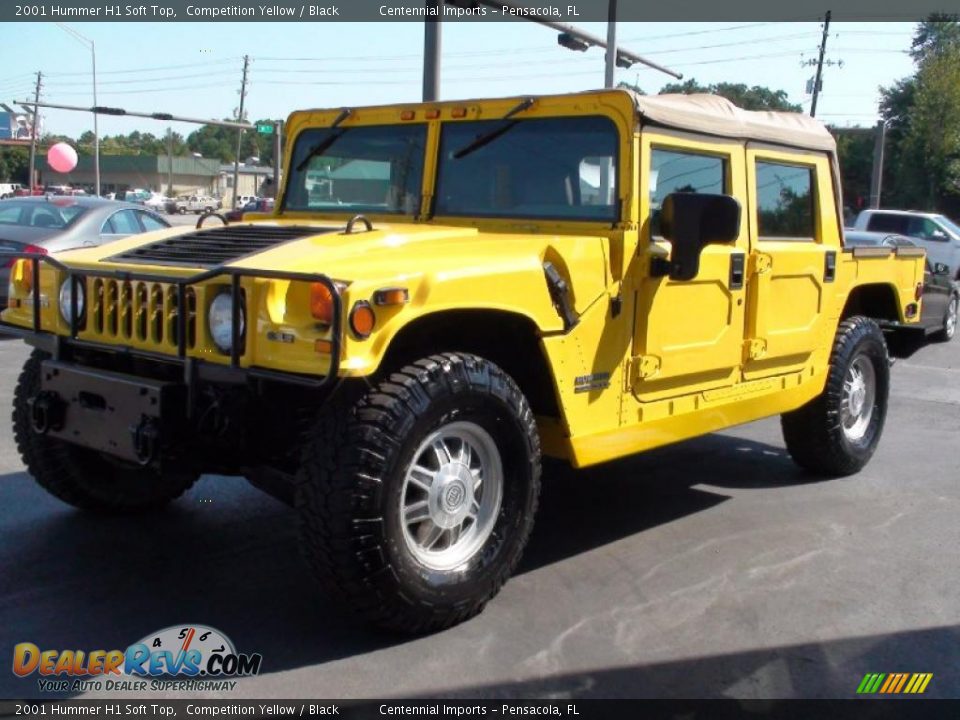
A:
(859, 397)
(451, 495)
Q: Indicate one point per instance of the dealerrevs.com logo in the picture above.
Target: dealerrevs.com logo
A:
(181, 657)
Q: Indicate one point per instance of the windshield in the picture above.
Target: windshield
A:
(550, 168)
(39, 215)
(372, 169)
(950, 225)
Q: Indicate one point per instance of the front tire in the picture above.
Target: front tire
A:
(81, 477)
(417, 499)
(836, 433)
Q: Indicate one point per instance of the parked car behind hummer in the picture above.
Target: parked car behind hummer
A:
(936, 233)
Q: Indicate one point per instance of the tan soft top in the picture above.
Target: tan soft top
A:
(716, 115)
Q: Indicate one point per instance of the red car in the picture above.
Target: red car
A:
(258, 205)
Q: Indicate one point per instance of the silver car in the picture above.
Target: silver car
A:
(53, 223)
(937, 234)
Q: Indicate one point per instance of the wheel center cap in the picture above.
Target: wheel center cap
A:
(451, 495)
(857, 396)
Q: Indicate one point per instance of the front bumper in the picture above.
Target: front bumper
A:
(194, 368)
(125, 416)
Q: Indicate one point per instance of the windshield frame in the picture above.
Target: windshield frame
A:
(949, 224)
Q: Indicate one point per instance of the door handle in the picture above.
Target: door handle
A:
(830, 266)
(737, 264)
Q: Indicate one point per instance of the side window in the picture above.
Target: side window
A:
(124, 222)
(925, 228)
(881, 222)
(151, 222)
(673, 171)
(785, 201)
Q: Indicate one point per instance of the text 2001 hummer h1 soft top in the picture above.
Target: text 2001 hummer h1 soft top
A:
(584, 276)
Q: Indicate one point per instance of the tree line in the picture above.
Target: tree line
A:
(209, 141)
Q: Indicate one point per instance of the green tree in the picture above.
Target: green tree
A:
(855, 153)
(13, 164)
(938, 34)
(934, 131)
(748, 98)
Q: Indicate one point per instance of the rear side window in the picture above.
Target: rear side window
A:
(675, 172)
(785, 202)
(122, 223)
(880, 222)
(151, 222)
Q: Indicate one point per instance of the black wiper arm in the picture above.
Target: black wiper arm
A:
(329, 139)
(489, 137)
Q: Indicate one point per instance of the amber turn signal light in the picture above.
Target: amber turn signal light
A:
(362, 319)
(391, 296)
(324, 347)
(321, 300)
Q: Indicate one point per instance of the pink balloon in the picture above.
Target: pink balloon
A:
(62, 158)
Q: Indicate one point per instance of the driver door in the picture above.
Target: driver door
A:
(688, 335)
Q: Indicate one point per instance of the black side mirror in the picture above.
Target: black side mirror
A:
(941, 269)
(691, 221)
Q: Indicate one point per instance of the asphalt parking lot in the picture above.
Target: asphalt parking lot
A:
(713, 568)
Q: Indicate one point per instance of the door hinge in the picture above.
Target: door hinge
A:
(644, 366)
(755, 348)
(760, 263)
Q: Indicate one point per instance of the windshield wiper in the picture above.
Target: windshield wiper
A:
(489, 137)
(329, 139)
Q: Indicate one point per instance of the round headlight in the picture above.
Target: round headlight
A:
(219, 321)
(65, 295)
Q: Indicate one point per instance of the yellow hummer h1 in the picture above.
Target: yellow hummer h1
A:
(445, 292)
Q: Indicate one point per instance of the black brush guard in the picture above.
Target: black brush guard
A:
(193, 367)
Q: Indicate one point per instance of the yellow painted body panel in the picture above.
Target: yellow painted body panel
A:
(651, 360)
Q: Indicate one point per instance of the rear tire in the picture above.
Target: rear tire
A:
(417, 497)
(836, 433)
(81, 477)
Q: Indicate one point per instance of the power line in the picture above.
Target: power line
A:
(140, 81)
(155, 68)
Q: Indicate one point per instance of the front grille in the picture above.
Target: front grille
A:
(208, 248)
(144, 312)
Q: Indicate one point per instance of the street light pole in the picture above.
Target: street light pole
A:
(96, 132)
(610, 72)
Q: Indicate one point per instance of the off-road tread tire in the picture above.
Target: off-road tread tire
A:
(812, 433)
(347, 452)
(78, 476)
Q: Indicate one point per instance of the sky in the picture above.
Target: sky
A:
(194, 69)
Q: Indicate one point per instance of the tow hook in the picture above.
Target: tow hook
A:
(46, 412)
(146, 437)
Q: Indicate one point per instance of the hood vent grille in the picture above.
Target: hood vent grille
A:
(215, 246)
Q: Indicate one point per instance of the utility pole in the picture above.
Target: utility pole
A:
(431, 52)
(33, 132)
(876, 177)
(817, 80)
(169, 162)
(236, 161)
(277, 156)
